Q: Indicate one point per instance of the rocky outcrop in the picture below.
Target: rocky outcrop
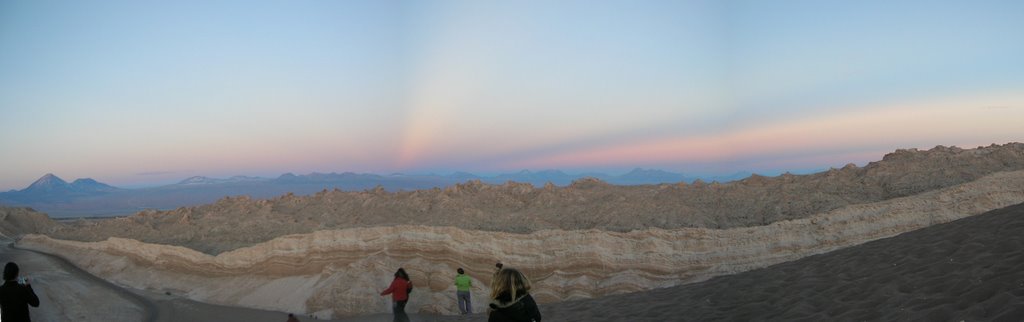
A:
(17, 221)
(237, 222)
(340, 272)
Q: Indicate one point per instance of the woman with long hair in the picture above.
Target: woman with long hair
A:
(510, 298)
(399, 290)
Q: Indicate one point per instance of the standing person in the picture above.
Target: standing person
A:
(462, 285)
(510, 298)
(399, 290)
(16, 295)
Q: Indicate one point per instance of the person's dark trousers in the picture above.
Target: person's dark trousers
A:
(465, 306)
(399, 309)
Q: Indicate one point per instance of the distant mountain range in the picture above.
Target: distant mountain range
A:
(88, 197)
(51, 188)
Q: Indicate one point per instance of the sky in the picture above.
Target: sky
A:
(135, 93)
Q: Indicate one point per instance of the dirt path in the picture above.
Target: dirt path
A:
(67, 293)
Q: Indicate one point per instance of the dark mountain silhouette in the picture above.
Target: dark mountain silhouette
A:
(535, 178)
(463, 176)
(287, 177)
(641, 176)
(90, 185)
(49, 184)
(208, 180)
(51, 189)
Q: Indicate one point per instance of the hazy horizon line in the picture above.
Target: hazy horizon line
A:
(483, 175)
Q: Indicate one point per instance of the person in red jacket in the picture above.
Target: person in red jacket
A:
(399, 291)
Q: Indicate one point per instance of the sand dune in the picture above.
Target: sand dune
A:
(338, 272)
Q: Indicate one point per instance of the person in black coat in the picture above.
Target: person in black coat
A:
(510, 298)
(16, 296)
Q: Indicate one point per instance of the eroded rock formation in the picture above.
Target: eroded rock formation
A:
(16, 221)
(340, 272)
(587, 204)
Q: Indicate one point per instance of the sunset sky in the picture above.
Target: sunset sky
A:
(134, 93)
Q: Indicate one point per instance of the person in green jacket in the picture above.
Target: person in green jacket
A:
(462, 285)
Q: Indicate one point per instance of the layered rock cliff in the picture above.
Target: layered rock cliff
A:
(340, 272)
(586, 204)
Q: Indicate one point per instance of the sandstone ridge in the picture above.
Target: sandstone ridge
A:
(339, 272)
(16, 221)
(237, 222)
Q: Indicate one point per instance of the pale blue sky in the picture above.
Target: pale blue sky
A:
(111, 89)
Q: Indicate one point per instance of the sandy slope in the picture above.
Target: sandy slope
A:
(967, 270)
